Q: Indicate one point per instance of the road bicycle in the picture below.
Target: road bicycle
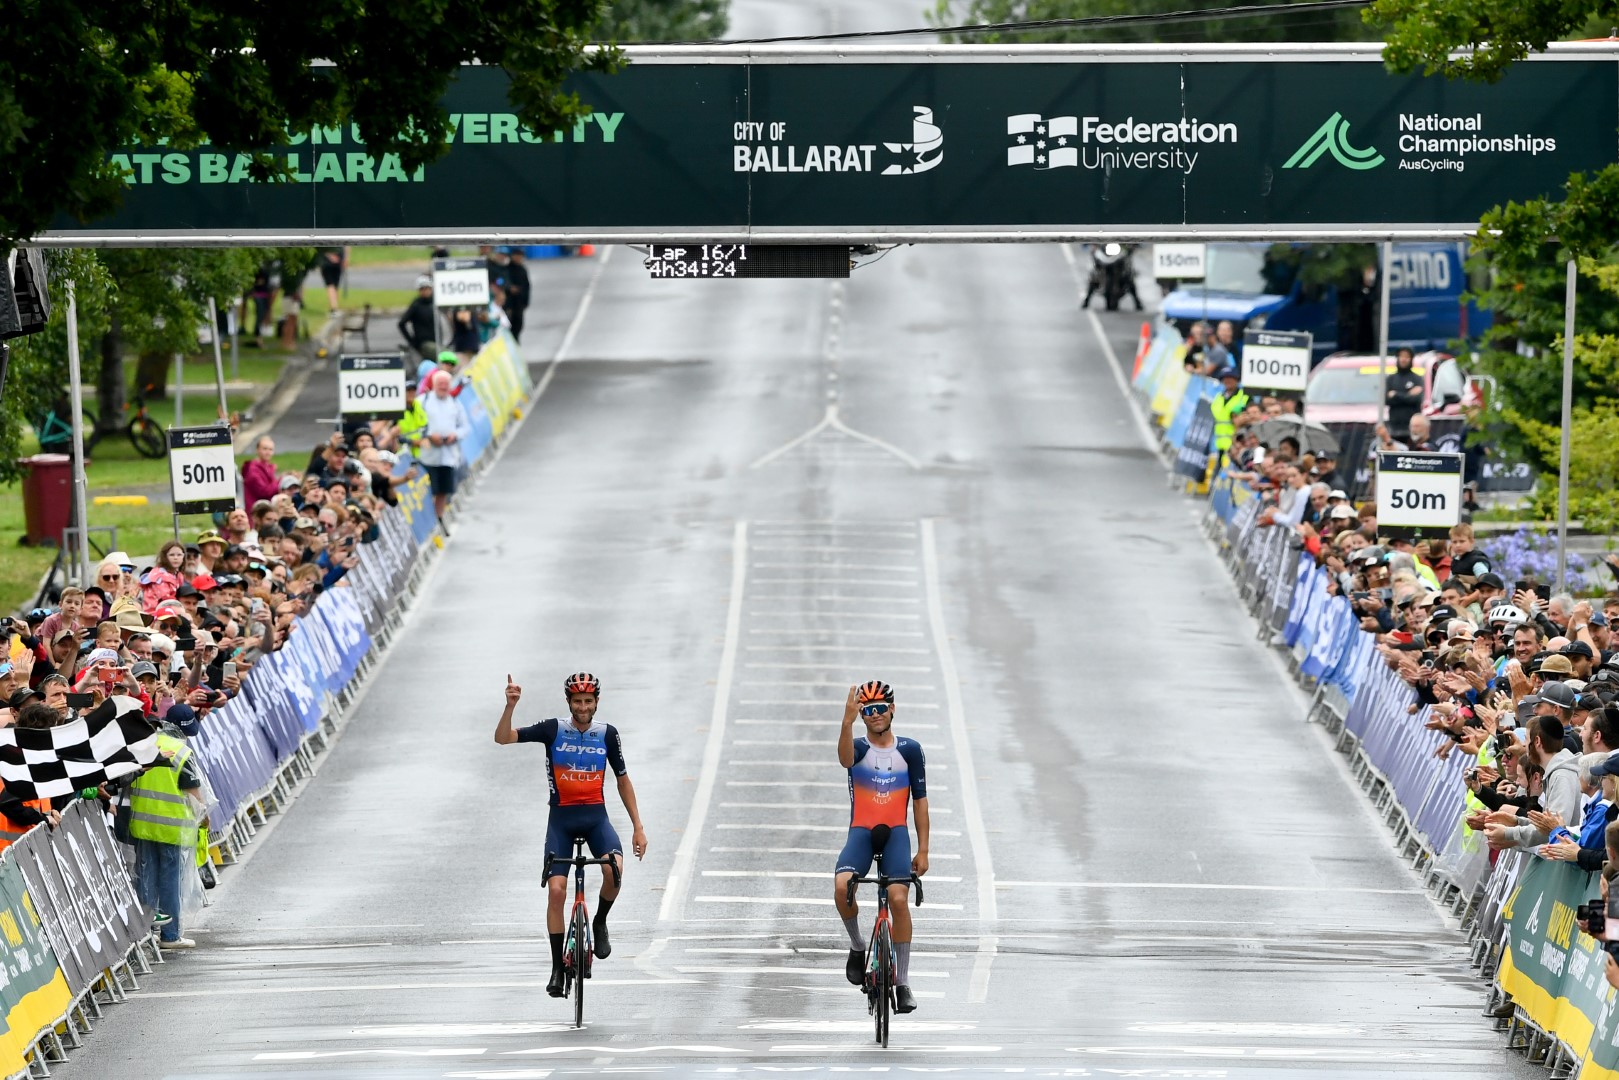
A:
(579, 949)
(880, 974)
(146, 435)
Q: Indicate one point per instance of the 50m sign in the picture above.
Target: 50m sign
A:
(202, 469)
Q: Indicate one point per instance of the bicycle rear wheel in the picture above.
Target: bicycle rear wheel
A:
(148, 437)
(882, 983)
(581, 957)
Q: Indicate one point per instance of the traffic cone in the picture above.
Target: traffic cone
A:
(587, 250)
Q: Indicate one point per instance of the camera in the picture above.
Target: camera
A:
(1594, 915)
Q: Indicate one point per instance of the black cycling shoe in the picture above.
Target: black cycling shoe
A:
(598, 928)
(557, 987)
(904, 1002)
(855, 969)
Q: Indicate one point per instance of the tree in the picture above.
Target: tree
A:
(1427, 33)
(663, 20)
(82, 79)
(1305, 26)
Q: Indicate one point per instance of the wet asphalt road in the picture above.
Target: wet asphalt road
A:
(733, 500)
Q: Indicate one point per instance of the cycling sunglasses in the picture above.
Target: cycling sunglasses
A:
(879, 708)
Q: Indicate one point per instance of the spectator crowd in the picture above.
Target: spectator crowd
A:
(176, 632)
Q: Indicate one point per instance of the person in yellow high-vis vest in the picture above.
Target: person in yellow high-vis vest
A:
(1226, 406)
(165, 808)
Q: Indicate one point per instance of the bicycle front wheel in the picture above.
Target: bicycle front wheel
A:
(882, 983)
(148, 436)
(581, 957)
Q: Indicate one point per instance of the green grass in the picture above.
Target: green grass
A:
(316, 312)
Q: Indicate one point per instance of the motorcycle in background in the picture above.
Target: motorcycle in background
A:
(1113, 274)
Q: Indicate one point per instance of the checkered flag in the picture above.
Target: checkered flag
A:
(110, 741)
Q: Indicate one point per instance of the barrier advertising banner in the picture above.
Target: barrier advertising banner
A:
(33, 990)
(1554, 972)
(929, 142)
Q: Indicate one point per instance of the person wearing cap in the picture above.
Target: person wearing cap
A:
(211, 548)
(418, 325)
(1227, 404)
(1560, 788)
(447, 427)
(1582, 657)
(165, 812)
(1556, 700)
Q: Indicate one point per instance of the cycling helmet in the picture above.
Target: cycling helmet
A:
(1503, 614)
(874, 691)
(582, 683)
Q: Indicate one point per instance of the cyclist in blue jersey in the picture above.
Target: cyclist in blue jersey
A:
(578, 753)
(885, 774)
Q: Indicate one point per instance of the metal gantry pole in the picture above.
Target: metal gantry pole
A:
(219, 363)
(1383, 335)
(179, 390)
(1568, 410)
(76, 391)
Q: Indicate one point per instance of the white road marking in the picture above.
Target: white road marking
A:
(844, 950)
(301, 948)
(437, 986)
(941, 767)
(825, 851)
(833, 548)
(674, 893)
(767, 969)
(930, 879)
(863, 615)
(805, 682)
(796, 901)
(832, 421)
(826, 723)
(866, 582)
(837, 807)
(866, 1047)
(831, 598)
(904, 569)
(1200, 886)
(1115, 368)
(977, 835)
(573, 327)
(844, 633)
(855, 1026)
(909, 704)
(828, 665)
(862, 649)
(788, 783)
(813, 828)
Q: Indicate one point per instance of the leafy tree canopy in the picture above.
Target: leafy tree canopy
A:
(81, 79)
(625, 21)
(1426, 33)
(1310, 26)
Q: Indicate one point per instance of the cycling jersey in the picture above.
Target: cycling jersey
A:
(883, 780)
(576, 761)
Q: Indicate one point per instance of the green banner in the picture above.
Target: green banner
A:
(937, 144)
(33, 991)
(1555, 973)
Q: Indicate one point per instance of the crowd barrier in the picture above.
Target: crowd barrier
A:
(75, 936)
(1519, 914)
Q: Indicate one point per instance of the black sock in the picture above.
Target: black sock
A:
(556, 950)
(603, 906)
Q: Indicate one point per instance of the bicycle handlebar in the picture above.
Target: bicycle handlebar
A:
(580, 860)
(883, 882)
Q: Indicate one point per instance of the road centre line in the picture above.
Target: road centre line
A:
(972, 811)
(815, 874)
(674, 893)
(1201, 886)
(837, 598)
(794, 901)
(895, 552)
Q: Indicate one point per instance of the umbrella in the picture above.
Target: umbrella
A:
(1313, 436)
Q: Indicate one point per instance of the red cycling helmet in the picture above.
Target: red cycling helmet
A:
(874, 691)
(582, 683)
